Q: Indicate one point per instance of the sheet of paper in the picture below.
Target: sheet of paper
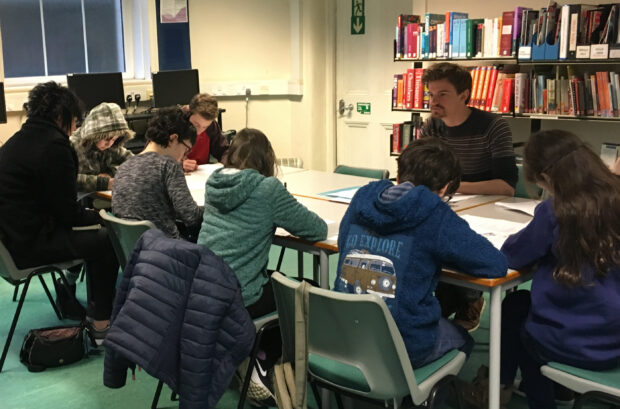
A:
(495, 230)
(459, 197)
(341, 195)
(526, 206)
(173, 11)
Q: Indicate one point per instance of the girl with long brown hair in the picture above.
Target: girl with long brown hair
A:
(572, 313)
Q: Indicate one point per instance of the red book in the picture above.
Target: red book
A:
(418, 93)
(505, 46)
(508, 96)
(410, 89)
(475, 73)
(491, 93)
(412, 40)
(396, 138)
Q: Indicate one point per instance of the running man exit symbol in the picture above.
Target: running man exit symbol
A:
(358, 20)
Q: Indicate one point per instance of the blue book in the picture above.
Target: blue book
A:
(454, 15)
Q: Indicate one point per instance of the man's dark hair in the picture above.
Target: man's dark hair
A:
(431, 163)
(454, 73)
(55, 103)
(168, 121)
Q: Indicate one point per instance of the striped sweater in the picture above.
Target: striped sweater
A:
(483, 144)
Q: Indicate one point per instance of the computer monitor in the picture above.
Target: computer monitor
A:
(174, 87)
(95, 88)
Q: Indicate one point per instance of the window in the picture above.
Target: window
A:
(44, 38)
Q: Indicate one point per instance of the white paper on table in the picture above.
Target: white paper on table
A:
(459, 197)
(494, 230)
(526, 206)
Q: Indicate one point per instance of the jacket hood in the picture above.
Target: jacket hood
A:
(102, 119)
(229, 188)
(385, 216)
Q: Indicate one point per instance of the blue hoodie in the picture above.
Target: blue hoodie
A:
(398, 239)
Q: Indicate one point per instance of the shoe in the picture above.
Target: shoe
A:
(68, 305)
(260, 391)
(96, 335)
(563, 396)
(476, 393)
(468, 315)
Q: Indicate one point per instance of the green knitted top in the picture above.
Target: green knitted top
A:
(242, 210)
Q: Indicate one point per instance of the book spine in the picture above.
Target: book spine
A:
(418, 88)
(497, 95)
(410, 88)
(475, 73)
(492, 84)
(507, 96)
(395, 138)
(506, 34)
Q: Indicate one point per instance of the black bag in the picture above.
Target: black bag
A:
(51, 347)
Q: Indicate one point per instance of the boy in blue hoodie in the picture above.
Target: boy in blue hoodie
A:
(394, 240)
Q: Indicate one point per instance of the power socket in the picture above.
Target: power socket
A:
(248, 92)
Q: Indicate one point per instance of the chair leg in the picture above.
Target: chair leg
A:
(49, 296)
(339, 400)
(157, 393)
(434, 397)
(280, 258)
(14, 323)
(317, 395)
(15, 292)
(300, 264)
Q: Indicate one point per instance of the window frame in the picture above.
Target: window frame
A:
(136, 15)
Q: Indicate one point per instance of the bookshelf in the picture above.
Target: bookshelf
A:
(543, 86)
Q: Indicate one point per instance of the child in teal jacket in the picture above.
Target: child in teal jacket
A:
(244, 204)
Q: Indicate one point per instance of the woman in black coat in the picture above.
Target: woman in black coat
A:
(38, 199)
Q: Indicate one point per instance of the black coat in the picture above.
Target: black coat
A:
(38, 207)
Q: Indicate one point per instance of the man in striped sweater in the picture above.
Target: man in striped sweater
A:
(483, 143)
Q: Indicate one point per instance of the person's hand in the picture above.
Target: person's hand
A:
(190, 165)
(616, 167)
(110, 182)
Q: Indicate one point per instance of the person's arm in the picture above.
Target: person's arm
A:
(58, 176)
(119, 155)
(291, 215)
(218, 144)
(534, 241)
(92, 183)
(184, 205)
(462, 248)
(487, 187)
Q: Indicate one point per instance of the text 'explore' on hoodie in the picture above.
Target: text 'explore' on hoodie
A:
(243, 208)
(393, 242)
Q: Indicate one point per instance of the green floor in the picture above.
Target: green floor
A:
(80, 385)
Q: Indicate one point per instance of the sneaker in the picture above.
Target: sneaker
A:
(476, 393)
(261, 385)
(96, 335)
(68, 306)
(468, 315)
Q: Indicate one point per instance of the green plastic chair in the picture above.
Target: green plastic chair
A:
(124, 234)
(355, 348)
(364, 172)
(16, 276)
(602, 386)
(525, 188)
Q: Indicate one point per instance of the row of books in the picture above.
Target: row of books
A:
(492, 89)
(585, 94)
(570, 31)
(404, 133)
(454, 35)
(408, 91)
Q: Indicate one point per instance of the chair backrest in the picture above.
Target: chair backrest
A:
(356, 335)
(292, 162)
(365, 172)
(525, 188)
(353, 341)
(8, 269)
(124, 234)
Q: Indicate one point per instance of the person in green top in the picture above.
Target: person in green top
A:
(244, 204)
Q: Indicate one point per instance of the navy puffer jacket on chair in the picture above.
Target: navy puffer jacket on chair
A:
(178, 314)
